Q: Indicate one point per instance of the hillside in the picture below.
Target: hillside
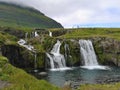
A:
(24, 17)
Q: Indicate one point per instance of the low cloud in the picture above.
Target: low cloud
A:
(76, 12)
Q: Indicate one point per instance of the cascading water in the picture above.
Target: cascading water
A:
(66, 50)
(26, 36)
(57, 60)
(50, 33)
(68, 54)
(88, 55)
(35, 61)
(23, 43)
(36, 34)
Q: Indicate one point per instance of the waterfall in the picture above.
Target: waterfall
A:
(66, 48)
(57, 60)
(23, 43)
(51, 61)
(50, 33)
(88, 55)
(36, 34)
(35, 61)
(26, 36)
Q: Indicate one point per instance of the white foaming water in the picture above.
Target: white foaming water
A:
(50, 33)
(57, 60)
(61, 69)
(36, 34)
(96, 67)
(51, 61)
(22, 42)
(88, 55)
(26, 35)
(67, 50)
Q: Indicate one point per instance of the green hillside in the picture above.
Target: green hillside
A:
(24, 17)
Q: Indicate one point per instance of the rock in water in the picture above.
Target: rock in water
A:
(43, 74)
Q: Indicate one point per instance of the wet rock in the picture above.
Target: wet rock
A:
(43, 74)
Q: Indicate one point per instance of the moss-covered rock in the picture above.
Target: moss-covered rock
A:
(107, 50)
(23, 58)
(71, 50)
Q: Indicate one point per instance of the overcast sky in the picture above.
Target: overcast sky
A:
(71, 13)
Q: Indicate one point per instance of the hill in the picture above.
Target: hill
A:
(12, 15)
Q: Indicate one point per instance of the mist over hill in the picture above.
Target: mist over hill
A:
(12, 15)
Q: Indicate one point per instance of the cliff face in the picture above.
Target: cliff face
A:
(107, 50)
(22, 58)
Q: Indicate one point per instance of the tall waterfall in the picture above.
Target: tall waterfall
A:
(57, 60)
(88, 55)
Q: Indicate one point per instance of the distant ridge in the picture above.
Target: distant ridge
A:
(12, 15)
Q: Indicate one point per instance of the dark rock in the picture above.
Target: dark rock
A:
(17, 33)
(23, 58)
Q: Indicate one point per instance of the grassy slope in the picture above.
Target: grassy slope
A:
(93, 32)
(7, 39)
(24, 17)
(19, 79)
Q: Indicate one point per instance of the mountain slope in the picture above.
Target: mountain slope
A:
(17, 16)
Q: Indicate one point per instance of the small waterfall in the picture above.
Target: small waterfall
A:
(66, 50)
(57, 60)
(51, 61)
(50, 33)
(68, 56)
(26, 36)
(88, 55)
(23, 43)
(35, 61)
(36, 34)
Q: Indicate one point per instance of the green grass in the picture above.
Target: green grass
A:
(100, 87)
(7, 39)
(93, 32)
(19, 79)
(24, 17)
